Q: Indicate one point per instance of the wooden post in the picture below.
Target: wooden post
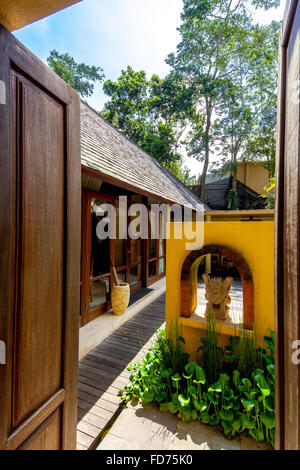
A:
(287, 255)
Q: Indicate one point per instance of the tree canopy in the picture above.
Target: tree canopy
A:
(81, 77)
(230, 63)
(218, 103)
(152, 113)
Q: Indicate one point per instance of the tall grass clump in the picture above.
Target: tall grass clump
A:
(172, 348)
(212, 354)
(241, 352)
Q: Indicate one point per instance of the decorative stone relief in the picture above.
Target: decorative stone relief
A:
(217, 296)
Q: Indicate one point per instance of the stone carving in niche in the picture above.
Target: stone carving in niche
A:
(217, 296)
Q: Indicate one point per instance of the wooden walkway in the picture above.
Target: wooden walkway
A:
(103, 371)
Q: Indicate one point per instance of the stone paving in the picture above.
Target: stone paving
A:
(146, 428)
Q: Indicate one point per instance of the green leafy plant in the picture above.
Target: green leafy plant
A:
(240, 401)
(270, 193)
(81, 77)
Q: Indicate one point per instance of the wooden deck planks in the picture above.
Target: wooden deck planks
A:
(103, 371)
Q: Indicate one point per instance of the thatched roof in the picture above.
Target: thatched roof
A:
(105, 149)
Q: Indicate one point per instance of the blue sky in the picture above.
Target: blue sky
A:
(116, 33)
(111, 34)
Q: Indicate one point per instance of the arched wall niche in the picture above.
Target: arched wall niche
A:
(189, 280)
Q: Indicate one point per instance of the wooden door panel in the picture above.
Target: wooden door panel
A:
(40, 219)
(46, 436)
(38, 336)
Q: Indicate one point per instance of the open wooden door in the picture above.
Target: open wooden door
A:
(287, 285)
(40, 212)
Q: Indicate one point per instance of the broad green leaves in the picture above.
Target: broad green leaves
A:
(263, 385)
(240, 404)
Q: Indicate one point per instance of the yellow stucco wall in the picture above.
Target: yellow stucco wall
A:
(255, 242)
(253, 175)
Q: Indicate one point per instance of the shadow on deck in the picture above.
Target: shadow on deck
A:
(103, 371)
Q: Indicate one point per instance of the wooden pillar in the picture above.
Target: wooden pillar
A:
(85, 254)
(144, 252)
(287, 271)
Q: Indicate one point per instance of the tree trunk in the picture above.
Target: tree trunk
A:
(234, 178)
(203, 175)
(207, 151)
(233, 198)
(234, 172)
